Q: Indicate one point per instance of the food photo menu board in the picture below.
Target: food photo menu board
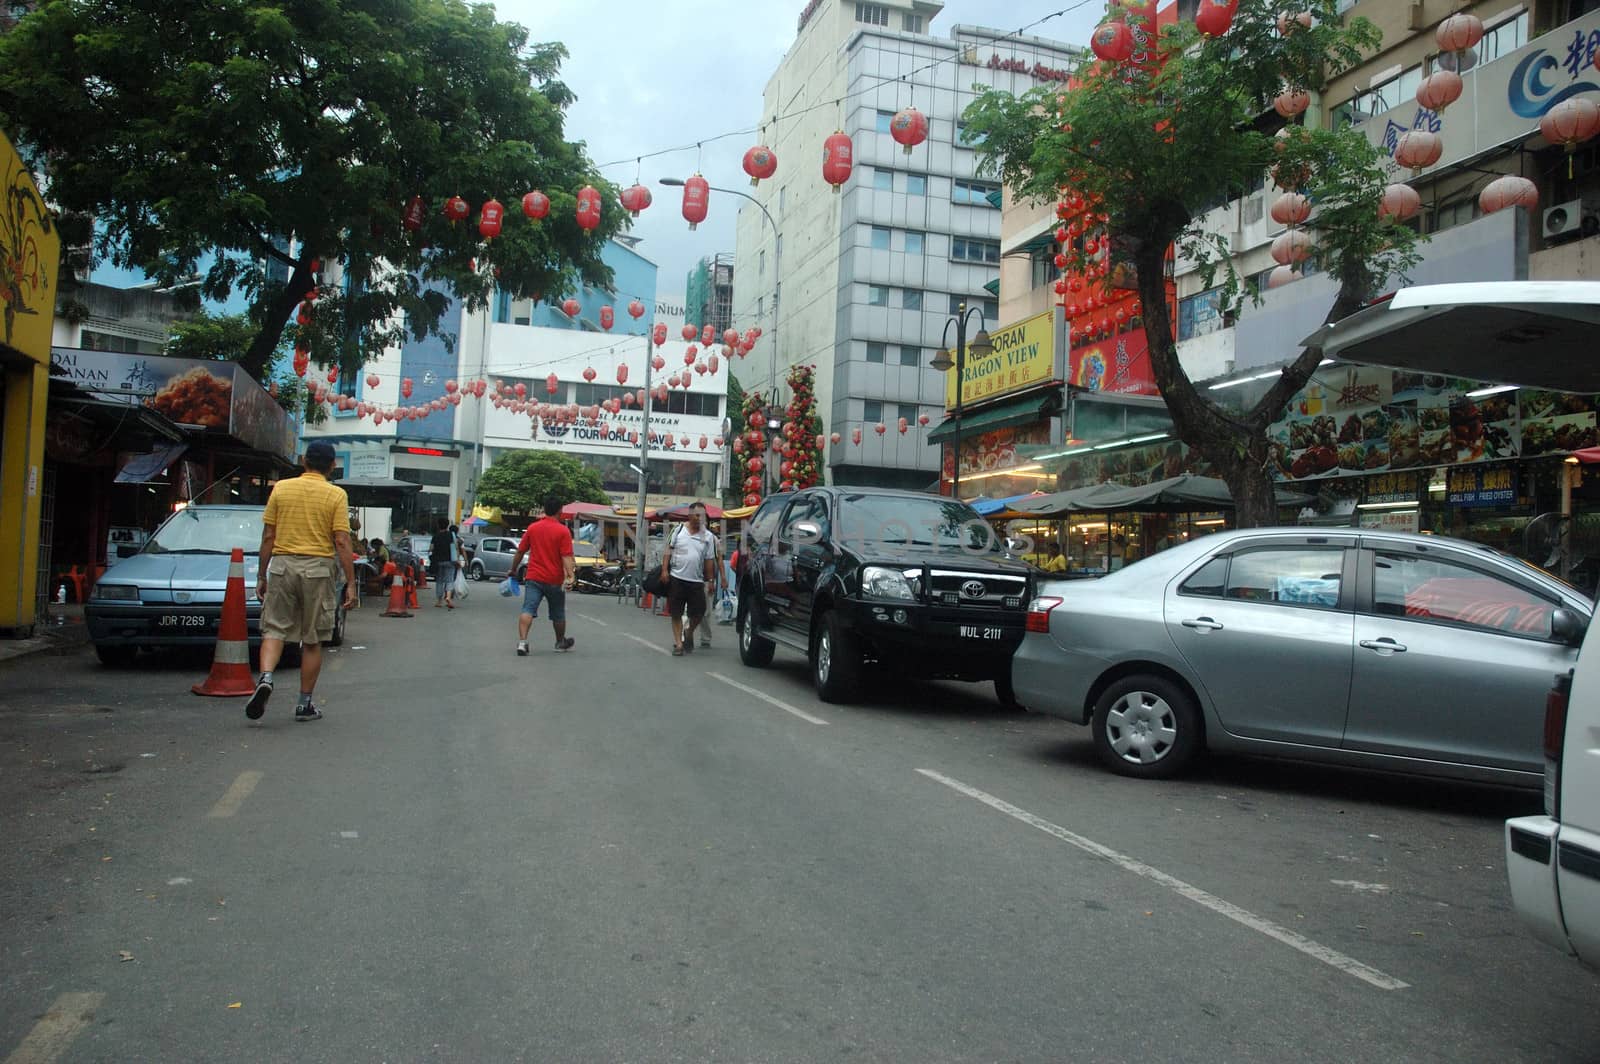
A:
(1361, 419)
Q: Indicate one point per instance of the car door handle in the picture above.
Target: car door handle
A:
(1205, 623)
(1382, 645)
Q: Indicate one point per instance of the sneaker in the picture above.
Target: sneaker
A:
(705, 641)
(258, 701)
(677, 652)
(307, 712)
(522, 649)
(566, 644)
(688, 644)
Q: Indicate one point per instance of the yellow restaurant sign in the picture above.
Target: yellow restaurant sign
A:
(29, 252)
(1024, 356)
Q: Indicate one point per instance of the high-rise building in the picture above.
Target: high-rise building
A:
(708, 298)
(861, 282)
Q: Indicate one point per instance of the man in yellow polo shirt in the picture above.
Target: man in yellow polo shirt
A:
(305, 530)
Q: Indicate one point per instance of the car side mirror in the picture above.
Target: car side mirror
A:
(806, 533)
(1568, 626)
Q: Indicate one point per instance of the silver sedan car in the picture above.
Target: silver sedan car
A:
(1378, 650)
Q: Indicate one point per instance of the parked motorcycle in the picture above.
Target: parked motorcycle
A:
(597, 579)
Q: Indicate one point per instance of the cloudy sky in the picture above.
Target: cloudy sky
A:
(655, 74)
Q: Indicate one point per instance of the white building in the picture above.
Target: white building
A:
(871, 275)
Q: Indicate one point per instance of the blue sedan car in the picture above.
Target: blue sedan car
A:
(170, 594)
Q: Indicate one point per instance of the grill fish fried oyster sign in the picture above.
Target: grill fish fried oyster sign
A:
(1024, 356)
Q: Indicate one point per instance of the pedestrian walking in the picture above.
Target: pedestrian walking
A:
(713, 593)
(442, 560)
(547, 544)
(688, 567)
(305, 540)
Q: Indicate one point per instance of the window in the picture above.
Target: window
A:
(872, 410)
(877, 295)
(781, 196)
(911, 299)
(876, 352)
(972, 193)
(595, 394)
(911, 23)
(907, 411)
(965, 249)
(883, 120)
(1298, 576)
(1454, 214)
(991, 307)
(1386, 94)
(1209, 581)
(883, 180)
(967, 138)
(703, 404)
(761, 263)
(916, 184)
(879, 237)
(806, 508)
(765, 521)
(872, 14)
(1505, 38)
(1441, 592)
(910, 356)
(428, 478)
(915, 243)
(761, 306)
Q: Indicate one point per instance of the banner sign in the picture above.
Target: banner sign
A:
(1024, 356)
(1481, 487)
(1119, 364)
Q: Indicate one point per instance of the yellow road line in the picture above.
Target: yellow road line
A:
(230, 802)
(56, 1029)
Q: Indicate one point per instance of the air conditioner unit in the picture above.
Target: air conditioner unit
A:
(1563, 218)
(1417, 18)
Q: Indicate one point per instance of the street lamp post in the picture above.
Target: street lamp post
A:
(777, 285)
(982, 347)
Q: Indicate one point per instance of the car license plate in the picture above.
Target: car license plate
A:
(981, 631)
(183, 620)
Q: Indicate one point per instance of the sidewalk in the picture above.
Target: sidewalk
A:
(49, 636)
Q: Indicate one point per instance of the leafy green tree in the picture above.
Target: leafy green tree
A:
(276, 135)
(220, 337)
(519, 481)
(1152, 147)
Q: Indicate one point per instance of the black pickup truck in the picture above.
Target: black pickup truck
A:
(852, 576)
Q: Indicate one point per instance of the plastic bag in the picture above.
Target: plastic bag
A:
(725, 607)
(460, 586)
(509, 587)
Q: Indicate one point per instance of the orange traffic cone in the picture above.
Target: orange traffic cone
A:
(648, 601)
(230, 664)
(422, 577)
(411, 588)
(397, 593)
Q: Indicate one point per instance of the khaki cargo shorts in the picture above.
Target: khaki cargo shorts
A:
(300, 599)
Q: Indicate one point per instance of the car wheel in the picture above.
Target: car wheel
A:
(835, 660)
(116, 657)
(754, 651)
(476, 571)
(1146, 726)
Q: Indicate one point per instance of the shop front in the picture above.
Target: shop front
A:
(30, 249)
(1001, 408)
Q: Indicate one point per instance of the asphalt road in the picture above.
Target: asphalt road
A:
(615, 855)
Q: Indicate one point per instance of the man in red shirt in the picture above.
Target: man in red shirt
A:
(548, 546)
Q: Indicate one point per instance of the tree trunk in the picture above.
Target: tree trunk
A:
(1250, 483)
(275, 318)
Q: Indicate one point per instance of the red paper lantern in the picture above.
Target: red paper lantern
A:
(1459, 32)
(855, 436)
(622, 374)
(635, 309)
(1282, 275)
(372, 380)
(405, 388)
(456, 209)
(1292, 102)
(635, 199)
(536, 205)
(570, 307)
(1418, 149)
(333, 375)
(1439, 90)
(756, 464)
(880, 428)
(738, 445)
(1400, 202)
(902, 426)
(658, 362)
(922, 419)
(1112, 42)
(415, 211)
(588, 207)
(760, 162)
(1287, 23)
(589, 374)
(1508, 191)
(711, 364)
(451, 387)
(689, 353)
(490, 219)
(608, 318)
(909, 128)
(659, 335)
(551, 384)
(696, 199)
(519, 389)
(688, 332)
(835, 437)
(479, 387)
(1571, 122)
(1213, 19)
(1291, 208)
(704, 443)
(708, 335)
(838, 159)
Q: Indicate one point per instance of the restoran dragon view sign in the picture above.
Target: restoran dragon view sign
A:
(1024, 356)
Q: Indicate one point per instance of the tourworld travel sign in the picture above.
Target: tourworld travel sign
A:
(1024, 357)
(1504, 98)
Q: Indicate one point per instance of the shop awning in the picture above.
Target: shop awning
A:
(740, 513)
(1588, 455)
(1182, 494)
(145, 468)
(986, 507)
(377, 491)
(1023, 411)
(1539, 334)
(587, 509)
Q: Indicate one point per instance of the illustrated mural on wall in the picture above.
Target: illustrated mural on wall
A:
(28, 251)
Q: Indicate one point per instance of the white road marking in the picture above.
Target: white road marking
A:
(647, 643)
(1316, 950)
(1360, 887)
(349, 834)
(66, 1018)
(230, 802)
(786, 707)
(179, 881)
(591, 620)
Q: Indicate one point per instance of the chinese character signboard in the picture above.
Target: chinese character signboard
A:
(1482, 487)
(1119, 364)
(1024, 356)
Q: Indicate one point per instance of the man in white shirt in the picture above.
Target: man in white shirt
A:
(688, 565)
(722, 577)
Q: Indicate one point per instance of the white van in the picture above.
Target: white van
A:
(1481, 331)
